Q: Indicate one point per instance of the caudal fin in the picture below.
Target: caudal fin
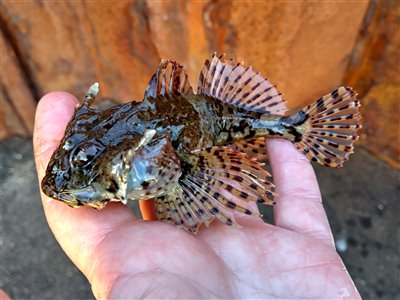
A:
(330, 129)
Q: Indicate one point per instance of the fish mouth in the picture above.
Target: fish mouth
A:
(59, 195)
(86, 196)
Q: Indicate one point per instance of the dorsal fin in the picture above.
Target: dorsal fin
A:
(169, 77)
(239, 85)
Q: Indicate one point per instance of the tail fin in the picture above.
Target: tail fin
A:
(329, 127)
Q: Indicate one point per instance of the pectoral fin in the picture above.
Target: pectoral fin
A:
(217, 182)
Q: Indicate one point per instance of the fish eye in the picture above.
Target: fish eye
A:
(84, 154)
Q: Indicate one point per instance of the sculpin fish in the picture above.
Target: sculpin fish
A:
(197, 155)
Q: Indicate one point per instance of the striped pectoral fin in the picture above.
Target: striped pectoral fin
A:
(222, 181)
(330, 128)
(183, 209)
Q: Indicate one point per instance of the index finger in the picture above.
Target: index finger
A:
(298, 203)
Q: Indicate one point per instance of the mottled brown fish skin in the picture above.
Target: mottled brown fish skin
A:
(198, 122)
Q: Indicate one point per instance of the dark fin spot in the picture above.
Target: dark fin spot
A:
(231, 204)
(214, 211)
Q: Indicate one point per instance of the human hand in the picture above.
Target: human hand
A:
(123, 257)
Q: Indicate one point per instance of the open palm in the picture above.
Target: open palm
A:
(126, 258)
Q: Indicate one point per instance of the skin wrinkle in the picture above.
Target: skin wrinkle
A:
(302, 285)
(229, 270)
(306, 216)
(154, 264)
(299, 195)
(298, 191)
(308, 227)
(217, 252)
(293, 158)
(41, 151)
(319, 235)
(250, 283)
(94, 267)
(236, 271)
(156, 284)
(54, 213)
(283, 271)
(301, 268)
(165, 272)
(262, 258)
(103, 267)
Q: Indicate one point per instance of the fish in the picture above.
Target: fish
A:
(200, 156)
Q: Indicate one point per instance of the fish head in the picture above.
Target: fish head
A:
(74, 172)
(72, 175)
(86, 170)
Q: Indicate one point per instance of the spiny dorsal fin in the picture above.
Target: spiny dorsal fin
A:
(221, 182)
(234, 83)
(169, 77)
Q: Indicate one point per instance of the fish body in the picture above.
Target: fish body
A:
(194, 154)
(196, 121)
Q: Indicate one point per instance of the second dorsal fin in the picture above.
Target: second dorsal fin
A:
(169, 77)
(239, 85)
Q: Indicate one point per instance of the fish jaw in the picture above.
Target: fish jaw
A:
(93, 195)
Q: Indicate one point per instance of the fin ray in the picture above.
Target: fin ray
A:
(219, 182)
(254, 147)
(211, 203)
(330, 128)
(234, 83)
(170, 77)
(221, 186)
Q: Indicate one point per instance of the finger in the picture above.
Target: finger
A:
(77, 230)
(299, 205)
(3, 295)
(147, 208)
